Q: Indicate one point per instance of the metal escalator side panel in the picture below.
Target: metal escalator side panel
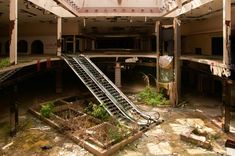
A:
(84, 82)
(117, 89)
(103, 89)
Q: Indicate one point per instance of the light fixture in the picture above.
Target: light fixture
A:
(145, 19)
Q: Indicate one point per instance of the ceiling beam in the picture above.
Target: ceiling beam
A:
(176, 4)
(110, 8)
(52, 7)
(120, 11)
(69, 5)
(187, 7)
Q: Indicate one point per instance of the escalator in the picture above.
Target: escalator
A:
(113, 100)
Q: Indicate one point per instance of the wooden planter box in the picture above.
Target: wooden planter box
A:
(85, 139)
(66, 113)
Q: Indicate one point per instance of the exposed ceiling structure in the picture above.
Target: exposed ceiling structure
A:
(116, 16)
(51, 6)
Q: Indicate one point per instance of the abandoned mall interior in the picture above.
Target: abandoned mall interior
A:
(117, 77)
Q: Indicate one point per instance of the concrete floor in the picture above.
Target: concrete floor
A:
(160, 140)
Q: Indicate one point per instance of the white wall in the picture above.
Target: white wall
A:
(198, 34)
(49, 42)
(45, 32)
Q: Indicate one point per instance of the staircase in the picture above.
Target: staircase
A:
(113, 100)
(5, 75)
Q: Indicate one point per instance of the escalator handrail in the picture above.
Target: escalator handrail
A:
(103, 89)
(118, 90)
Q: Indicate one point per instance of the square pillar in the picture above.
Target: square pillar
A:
(226, 116)
(227, 62)
(157, 34)
(14, 112)
(13, 30)
(227, 32)
(118, 81)
(177, 54)
(59, 35)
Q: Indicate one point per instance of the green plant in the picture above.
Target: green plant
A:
(151, 97)
(213, 137)
(115, 134)
(97, 111)
(47, 109)
(4, 62)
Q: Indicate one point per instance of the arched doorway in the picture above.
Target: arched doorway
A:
(37, 47)
(7, 48)
(22, 46)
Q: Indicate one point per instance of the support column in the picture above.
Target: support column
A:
(226, 62)
(118, 81)
(13, 30)
(227, 32)
(177, 53)
(59, 35)
(226, 116)
(157, 34)
(14, 116)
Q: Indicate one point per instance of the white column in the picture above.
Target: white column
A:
(59, 35)
(177, 53)
(118, 82)
(226, 32)
(13, 30)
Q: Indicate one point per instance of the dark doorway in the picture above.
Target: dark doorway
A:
(22, 46)
(217, 46)
(37, 47)
(115, 43)
(7, 48)
(68, 44)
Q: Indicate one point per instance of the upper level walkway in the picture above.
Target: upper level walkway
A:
(28, 60)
